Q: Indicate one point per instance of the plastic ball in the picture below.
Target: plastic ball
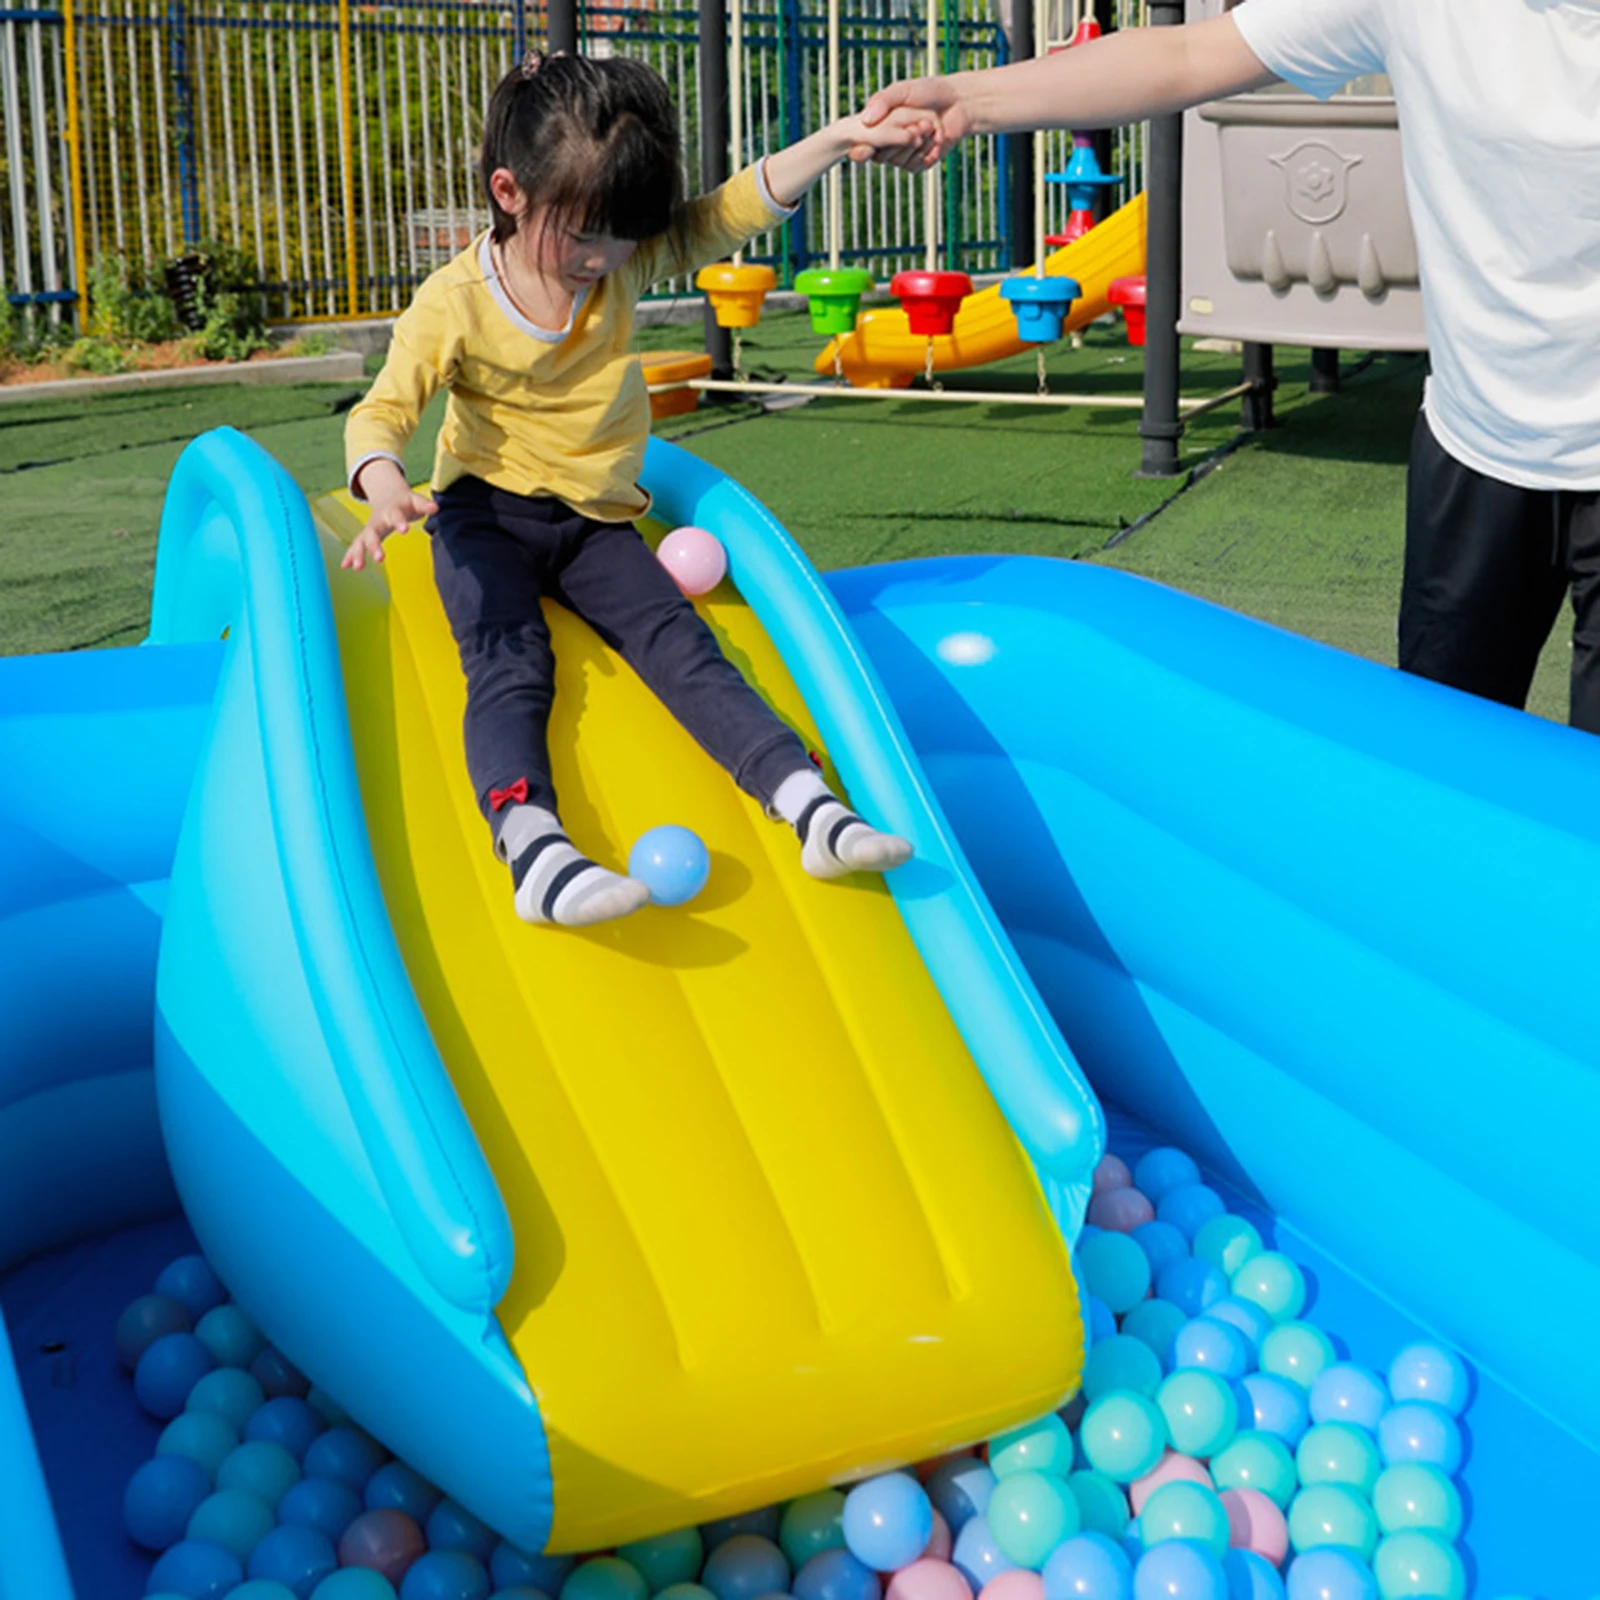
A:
(603, 1578)
(386, 1541)
(231, 1337)
(1120, 1210)
(1189, 1207)
(1227, 1242)
(977, 1556)
(764, 1522)
(695, 558)
(1278, 1406)
(1171, 1468)
(1418, 1566)
(512, 1567)
(960, 1490)
(1114, 1269)
(267, 1471)
(671, 862)
(887, 1522)
(452, 1575)
(1256, 1524)
(1099, 1322)
(1111, 1173)
(1430, 1372)
(940, 1542)
(353, 1583)
(321, 1503)
(1251, 1577)
(1245, 1315)
(1330, 1513)
(1257, 1460)
(1274, 1283)
(451, 1526)
(1346, 1392)
(1178, 1570)
(1121, 1362)
(1155, 1323)
(278, 1376)
(1029, 1515)
(1042, 1446)
(160, 1498)
(397, 1487)
(1088, 1567)
(350, 1456)
(1411, 1495)
(203, 1436)
(679, 1591)
(667, 1559)
(150, 1317)
(1418, 1430)
(1213, 1346)
(1161, 1243)
(748, 1566)
(1338, 1452)
(928, 1580)
(1297, 1351)
(1185, 1511)
(230, 1393)
(169, 1368)
(197, 1571)
(1191, 1285)
(1162, 1169)
(264, 1589)
(190, 1281)
(233, 1519)
(1102, 1506)
(1017, 1584)
(295, 1556)
(1123, 1436)
(1201, 1412)
(286, 1421)
(1331, 1574)
(837, 1575)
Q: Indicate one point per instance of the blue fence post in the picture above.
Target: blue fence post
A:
(183, 117)
(794, 47)
(519, 30)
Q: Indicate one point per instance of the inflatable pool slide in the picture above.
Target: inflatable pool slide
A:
(613, 1231)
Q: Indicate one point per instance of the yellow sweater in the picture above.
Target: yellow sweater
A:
(534, 410)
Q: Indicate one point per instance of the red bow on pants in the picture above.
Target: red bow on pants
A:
(517, 791)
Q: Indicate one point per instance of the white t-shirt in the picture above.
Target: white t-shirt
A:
(1499, 104)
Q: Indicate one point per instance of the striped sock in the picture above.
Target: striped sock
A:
(554, 881)
(833, 839)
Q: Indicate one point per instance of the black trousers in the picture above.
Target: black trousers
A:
(495, 556)
(1487, 567)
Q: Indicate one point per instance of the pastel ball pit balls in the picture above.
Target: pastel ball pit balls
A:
(1120, 1362)
(1256, 1460)
(233, 1519)
(1114, 1269)
(1155, 1323)
(298, 1558)
(1346, 1392)
(1161, 1243)
(1214, 1346)
(1185, 1511)
(195, 1570)
(512, 1567)
(350, 1583)
(169, 1368)
(1162, 1169)
(1042, 1446)
(1256, 1524)
(1331, 1514)
(748, 1566)
(1102, 1506)
(1171, 1468)
(1430, 1372)
(837, 1575)
(397, 1487)
(1200, 1410)
(1412, 1495)
(160, 1498)
(1418, 1430)
(1297, 1351)
(928, 1580)
(286, 1421)
(230, 1393)
(1120, 1210)
(1251, 1577)
(604, 1578)
(1339, 1452)
(1193, 1286)
(1227, 1242)
(190, 1281)
(977, 1556)
(1189, 1207)
(265, 1470)
(695, 558)
(345, 1454)
(959, 1489)
(1274, 1283)
(671, 862)
(321, 1503)
(1111, 1173)
(385, 1541)
(231, 1337)
(764, 1522)
(1418, 1566)
(1330, 1574)
(1123, 1435)
(1088, 1566)
(887, 1522)
(669, 1558)
(1178, 1570)
(1031, 1513)
(143, 1321)
(1278, 1406)
(454, 1575)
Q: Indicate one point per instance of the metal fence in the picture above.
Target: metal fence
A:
(335, 142)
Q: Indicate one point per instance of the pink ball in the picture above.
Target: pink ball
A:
(1018, 1584)
(695, 559)
(1171, 1468)
(1255, 1523)
(386, 1540)
(928, 1580)
(1120, 1210)
(1112, 1173)
(940, 1544)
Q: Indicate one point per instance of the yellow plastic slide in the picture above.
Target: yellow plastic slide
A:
(883, 353)
(770, 1225)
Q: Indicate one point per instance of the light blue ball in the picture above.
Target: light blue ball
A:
(605, 1578)
(352, 1583)
(190, 1281)
(264, 1590)
(976, 1556)
(321, 1503)
(1098, 1322)
(1088, 1566)
(667, 1559)
(1122, 1362)
(1274, 1283)
(196, 1571)
(1162, 1244)
(1123, 1435)
(1251, 1577)
(1155, 1323)
(1418, 1430)
(453, 1575)
(167, 1372)
(347, 1454)
(1102, 1506)
(397, 1487)
(297, 1557)
(229, 1393)
(764, 1522)
(1349, 1393)
(1278, 1406)
(267, 1471)
(1193, 1286)
(286, 1421)
(233, 1519)
(145, 1320)
(887, 1522)
(1330, 1574)
(203, 1436)
(671, 862)
(1245, 1315)
(161, 1497)
(960, 1490)
(231, 1337)
(1189, 1207)
(512, 1567)
(1042, 1446)
(1298, 1351)
(1430, 1372)
(1215, 1346)
(1227, 1242)
(1163, 1169)
(748, 1566)
(452, 1527)
(1114, 1269)
(1178, 1570)
(837, 1575)
(1185, 1511)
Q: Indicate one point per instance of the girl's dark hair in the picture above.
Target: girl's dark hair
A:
(596, 142)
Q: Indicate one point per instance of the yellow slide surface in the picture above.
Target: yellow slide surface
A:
(770, 1226)
(883, 353)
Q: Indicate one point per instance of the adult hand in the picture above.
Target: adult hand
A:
(942, 96)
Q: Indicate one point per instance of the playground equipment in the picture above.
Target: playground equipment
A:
(1128, 296)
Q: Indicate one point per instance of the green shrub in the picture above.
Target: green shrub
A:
(217, 292)
(97, 354)
(126, 307)
(314, 343)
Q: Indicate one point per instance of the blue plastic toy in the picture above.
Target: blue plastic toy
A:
(671, 862)
(1040, 305)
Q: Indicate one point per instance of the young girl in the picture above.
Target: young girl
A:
(536, 477)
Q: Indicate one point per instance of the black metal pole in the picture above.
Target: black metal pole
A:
(1255, 410)
(561, 26)
(714, 147)
(1161, 427)
(1324, 372)
(1022, 174)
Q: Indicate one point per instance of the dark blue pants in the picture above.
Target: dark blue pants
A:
(496, 555)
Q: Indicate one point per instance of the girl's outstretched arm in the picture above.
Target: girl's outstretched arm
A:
(901, 136)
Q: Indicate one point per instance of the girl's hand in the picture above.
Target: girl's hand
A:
(394, 515)
(908, 137)
(938, 98)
